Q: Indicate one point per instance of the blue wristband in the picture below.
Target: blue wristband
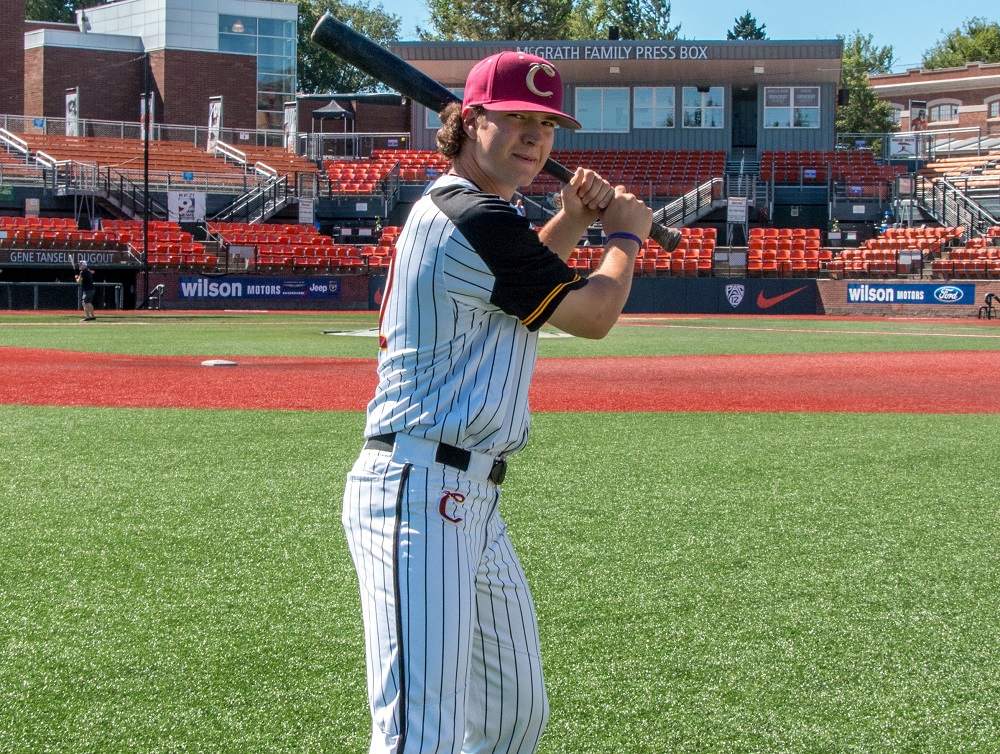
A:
(629, 236)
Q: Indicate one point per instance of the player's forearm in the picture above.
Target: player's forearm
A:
(593, 310)
(562, 233)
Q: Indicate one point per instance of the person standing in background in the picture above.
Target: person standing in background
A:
(87, 290)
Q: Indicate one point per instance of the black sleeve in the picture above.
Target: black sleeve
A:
(531, 279)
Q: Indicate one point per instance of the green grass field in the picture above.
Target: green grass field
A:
(178, 580)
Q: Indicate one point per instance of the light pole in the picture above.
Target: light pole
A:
(146, 125)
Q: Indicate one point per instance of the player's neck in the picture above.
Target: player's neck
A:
(465, 166)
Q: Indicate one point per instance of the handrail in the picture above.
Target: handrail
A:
(48, 160)
(14, 141)
(673, 214)
(228, 150)
(262, 168)
(253, 204)
(88, 127)
(130, 196)
(944, 201)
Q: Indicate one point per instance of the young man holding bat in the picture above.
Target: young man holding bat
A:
(453, 659)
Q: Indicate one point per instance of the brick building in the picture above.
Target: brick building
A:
(948, 98)
(241, 50)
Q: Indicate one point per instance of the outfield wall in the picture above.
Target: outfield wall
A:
(659, 295)
(904, 297)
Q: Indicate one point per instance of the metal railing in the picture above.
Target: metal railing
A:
(130, 197)
(258, 203)
(352, 145)
(690, 205)
(947, 204)
(916, 145)
(197, 135)
(60, 296)
(14, 142)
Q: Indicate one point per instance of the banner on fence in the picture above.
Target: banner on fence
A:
(911, 293)
(186, 206)
(203, 288)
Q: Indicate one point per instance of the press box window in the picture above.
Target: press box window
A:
(602, 110)
(791, 107)
(703, 107)
(653, 107)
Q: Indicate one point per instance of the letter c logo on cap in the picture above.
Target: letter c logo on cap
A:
(530, 79)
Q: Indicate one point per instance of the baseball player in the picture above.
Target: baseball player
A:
(86, 280)
(452, 649)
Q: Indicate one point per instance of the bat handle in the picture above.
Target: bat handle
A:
(666, 237)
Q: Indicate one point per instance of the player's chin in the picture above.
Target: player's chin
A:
(527, 176)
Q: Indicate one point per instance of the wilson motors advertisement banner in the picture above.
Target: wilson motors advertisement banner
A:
(911, 293)
(234, 288)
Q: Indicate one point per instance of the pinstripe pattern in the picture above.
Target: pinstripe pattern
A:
(451, 638)
(450, 632)
(461, 335)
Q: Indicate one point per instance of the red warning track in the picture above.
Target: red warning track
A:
(925, 382)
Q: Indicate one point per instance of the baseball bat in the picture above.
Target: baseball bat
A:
(372, 58)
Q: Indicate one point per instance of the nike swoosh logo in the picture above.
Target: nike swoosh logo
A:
(766, 303)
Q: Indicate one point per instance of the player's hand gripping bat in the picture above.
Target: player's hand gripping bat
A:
(375, 60)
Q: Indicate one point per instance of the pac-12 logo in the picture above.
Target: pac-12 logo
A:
(734, 294)
(449, 506)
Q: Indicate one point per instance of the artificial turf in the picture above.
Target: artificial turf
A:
(302, 334)
(177, 580)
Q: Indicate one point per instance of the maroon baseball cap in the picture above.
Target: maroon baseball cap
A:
(516, 81)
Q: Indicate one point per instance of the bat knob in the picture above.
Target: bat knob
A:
(667, 238)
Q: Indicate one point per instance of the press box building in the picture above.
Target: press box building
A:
(743, 97)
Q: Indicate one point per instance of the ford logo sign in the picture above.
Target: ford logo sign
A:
(948, 294)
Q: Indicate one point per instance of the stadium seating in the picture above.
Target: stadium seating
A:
(33, 232)
(290, 246)
(169, 246)
(168, 160)
(970, 169)
(856, 170)
(282, 161)
(901, 252)
(644, 172)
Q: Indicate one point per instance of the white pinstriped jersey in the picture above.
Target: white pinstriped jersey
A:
(468, 288)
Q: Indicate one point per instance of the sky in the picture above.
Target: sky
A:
(911, 27)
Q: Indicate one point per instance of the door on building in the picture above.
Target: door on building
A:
(744, 117)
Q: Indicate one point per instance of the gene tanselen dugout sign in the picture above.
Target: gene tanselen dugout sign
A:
(64, 258)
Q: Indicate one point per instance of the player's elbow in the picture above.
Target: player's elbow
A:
(593, 323)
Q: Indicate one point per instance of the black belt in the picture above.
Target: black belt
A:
(449, 455)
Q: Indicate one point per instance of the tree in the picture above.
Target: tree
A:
(482, 20)
(62, 11)
(978, 39)
(322, 71)
(864, 113)
(746, 28)
(634, 19)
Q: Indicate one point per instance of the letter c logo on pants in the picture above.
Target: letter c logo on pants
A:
(450, 502)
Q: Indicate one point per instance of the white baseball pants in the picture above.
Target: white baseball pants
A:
(451, 637)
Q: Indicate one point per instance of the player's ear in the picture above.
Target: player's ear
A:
(470, 121)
